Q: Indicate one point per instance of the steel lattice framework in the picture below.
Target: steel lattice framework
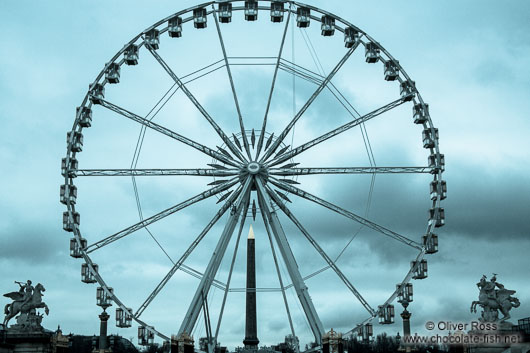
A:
(252, 161)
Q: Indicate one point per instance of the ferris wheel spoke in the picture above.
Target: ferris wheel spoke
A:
(215, 261)
(229, 71)
(311, 99)
(313, 77)
(289, 260)
(303, 194)
(170, 133)
(262, 134)
(321, 251)
(234, 256)
(337, 131)
(194, 100)
(123, 233)
(158, 172)
(180, 263)
(349, 170)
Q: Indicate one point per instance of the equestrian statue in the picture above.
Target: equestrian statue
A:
(25, 302)
(493, 297)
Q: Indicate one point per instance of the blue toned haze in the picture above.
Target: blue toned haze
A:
(470, 63)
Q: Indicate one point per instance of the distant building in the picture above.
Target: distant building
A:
(523, 326)
(87, 344)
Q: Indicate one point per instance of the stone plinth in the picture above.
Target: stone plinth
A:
(45, 341)
(27, 342)
(504, 339)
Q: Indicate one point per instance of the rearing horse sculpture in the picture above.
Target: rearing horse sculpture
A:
(25, 307)
(495, 299)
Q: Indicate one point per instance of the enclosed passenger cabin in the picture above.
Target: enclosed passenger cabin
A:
(420, 113)
(371, 52)
(436, 163)
(303, 17)
(405, 295)
(200, 17)
(251, 10)
(430, 244)
(386, 314)
(68, 194)
(391, 70)
(438, 189)
(429, 137)
(71, 222)
(69, 167)
(85, 116)
(123, 317)
(145, 336)
(103, 298)
(75, 140)
(86, 275)
(437, 216)
(351, 36)
(75, 248)
(152, 38)
(365, 332)
(328, 25)
(112, 73)
(174, 27)
(407, 90)
(97, 92)
(130, 55)
(225, 12)
(277, 11)
(421, 269)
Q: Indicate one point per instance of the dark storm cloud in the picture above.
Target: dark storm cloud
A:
(489, 206)
(27, 242)
(472, 212)
(472, 205)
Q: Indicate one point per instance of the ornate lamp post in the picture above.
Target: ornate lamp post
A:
(103, 300)
(405, 297)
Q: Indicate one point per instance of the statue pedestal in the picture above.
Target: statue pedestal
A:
(27, 342)
(503, 339)
(20, 341)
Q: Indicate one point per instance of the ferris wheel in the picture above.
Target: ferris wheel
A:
(253, 171)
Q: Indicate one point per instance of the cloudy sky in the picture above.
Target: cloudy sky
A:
(469, 60)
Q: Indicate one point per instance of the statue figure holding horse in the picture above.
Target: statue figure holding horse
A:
(493, 297)
(25, 302)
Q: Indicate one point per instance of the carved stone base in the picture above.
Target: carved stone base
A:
(27, 323)
(29, 342)
(505, 332)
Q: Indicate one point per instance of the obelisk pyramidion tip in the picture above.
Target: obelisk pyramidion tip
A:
(251, 233)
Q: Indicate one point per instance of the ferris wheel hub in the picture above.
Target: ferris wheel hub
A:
(253, 167)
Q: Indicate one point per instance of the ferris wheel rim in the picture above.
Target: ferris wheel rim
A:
(86, 103)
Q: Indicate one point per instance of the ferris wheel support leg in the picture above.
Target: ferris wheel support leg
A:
(322, 253)
(288, 311)
(292, 266)
(202, 290)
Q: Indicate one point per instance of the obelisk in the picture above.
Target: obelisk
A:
(251, 327)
